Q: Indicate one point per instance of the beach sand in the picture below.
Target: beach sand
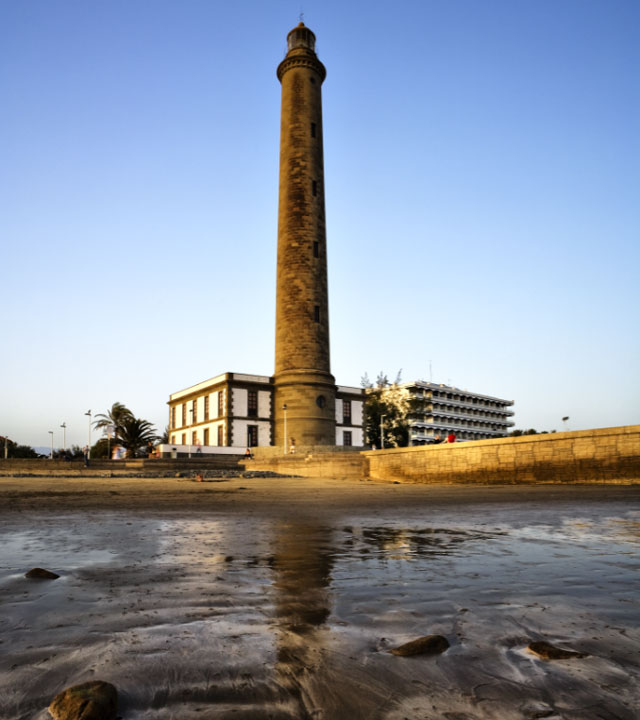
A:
(282, 597)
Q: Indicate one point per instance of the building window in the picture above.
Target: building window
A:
(313, 129)
(173, 439)
(252, 435)
(206, 407)
(220, 435)
(184, 415)
(220, 403)
(194, 438)
(316, 313)
(346, 412)
(172, 421)
(346, 438)
(194, 411)
(206, 436)
(184, 439)
(252, 403)
(316, 248)
(314, 187)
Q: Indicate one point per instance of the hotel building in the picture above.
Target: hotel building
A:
(440, 409)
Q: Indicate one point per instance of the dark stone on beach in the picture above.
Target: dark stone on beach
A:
(427, 645)
(96, 700)
(547, 651)
(41, 574)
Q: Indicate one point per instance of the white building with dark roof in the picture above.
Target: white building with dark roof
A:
(233, 411)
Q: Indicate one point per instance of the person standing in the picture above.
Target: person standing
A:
(451, 437)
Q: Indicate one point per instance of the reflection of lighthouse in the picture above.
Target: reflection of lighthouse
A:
(302, 568)
(303, 380)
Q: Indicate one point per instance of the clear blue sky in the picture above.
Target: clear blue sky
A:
(482, 190)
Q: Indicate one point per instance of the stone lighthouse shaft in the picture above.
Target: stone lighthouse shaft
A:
(303, 380)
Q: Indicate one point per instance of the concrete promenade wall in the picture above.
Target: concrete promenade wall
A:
(150, 466)
(326, 464)
(608, 455)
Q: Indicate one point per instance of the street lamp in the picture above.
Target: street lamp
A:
(284, 407)
(382, 417)
(51, 433)
(110, 429)
(564, 420)
(89, 445)
(64, 435)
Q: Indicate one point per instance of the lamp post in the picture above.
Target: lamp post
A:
(111, 429)
(88, 413)
(64, 435)
(564, 420)
(382, 417)
(284, 407)
(51, 433)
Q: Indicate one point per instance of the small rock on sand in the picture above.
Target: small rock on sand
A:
(96, 700)
(41, 574)
(427, 645)
(547, 651)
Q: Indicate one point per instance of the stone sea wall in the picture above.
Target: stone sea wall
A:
(607, 455)
(321, 463)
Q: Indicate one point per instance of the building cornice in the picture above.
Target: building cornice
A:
(306, 61)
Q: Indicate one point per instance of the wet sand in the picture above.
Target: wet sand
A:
(281, 598)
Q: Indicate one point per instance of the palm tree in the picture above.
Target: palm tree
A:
(135, 435)
(113, 418)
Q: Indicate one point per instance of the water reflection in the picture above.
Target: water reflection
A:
(302, 563)
(407, 543)
(249, 617)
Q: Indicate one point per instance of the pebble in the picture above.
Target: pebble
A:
(96, 700)
(427, 645)
(41, 574)
(547, 651)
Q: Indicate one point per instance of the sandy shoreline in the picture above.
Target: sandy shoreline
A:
(278, 495)
(281, 598)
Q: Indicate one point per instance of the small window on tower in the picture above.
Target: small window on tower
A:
(313, 129)
(316, 313)
(314, 187)
(316, 248)
(313, 80)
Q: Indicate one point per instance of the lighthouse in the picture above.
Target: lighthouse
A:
(304, 388)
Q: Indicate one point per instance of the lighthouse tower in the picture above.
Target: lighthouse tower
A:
(305, 390)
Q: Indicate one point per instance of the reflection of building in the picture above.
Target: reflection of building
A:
(439, 409)
(300, 404)
(236, 410)
(302, 564)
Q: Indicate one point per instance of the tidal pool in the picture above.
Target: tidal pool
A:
(209, 615)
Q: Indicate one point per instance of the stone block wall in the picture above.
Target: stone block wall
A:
(607, 455)
(338, 465)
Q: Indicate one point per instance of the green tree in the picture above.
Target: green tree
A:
(101, 449)
(164, 438)
(113, 418)
(388, 400)
(17, 451)
(135, 435)
(530, 431)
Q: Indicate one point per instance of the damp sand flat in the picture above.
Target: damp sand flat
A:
(282, 598)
